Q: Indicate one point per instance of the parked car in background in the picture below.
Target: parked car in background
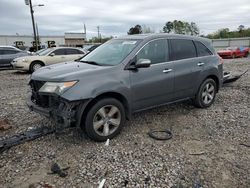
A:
(8, 53)
(126, 75)
(47, 57)
(233, 52)
(90, 48)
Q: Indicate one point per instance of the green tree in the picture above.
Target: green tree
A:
(226, 33)
(135, 30)
(194, 29)
(181, 27)
(168, 27)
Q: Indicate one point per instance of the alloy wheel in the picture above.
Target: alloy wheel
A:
(208, 93)
(107, 120)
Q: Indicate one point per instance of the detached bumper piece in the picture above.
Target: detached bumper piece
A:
(52, 106)
(228, 78)
(24, 137)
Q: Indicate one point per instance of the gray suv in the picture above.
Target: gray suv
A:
(125, 75)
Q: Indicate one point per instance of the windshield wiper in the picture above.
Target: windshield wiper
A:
(90, 62)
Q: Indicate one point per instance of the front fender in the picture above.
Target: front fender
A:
(93, 87)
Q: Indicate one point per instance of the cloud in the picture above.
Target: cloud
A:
(115, 17)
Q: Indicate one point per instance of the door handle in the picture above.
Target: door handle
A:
(200, 64)
(167, 70)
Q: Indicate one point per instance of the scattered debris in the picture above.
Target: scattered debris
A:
(197, 183)
(227, 78)
(107, 142)
(242, 144)
(56, 169)
(24, 137)
(41, 185)
(160, 134)
(201, 153)
(101, 184)
(4, 125)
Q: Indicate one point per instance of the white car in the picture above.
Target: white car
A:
(47, 57)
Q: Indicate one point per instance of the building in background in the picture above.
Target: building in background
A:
(75, 39)
(27, 41)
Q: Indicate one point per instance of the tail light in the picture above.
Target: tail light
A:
(221, 60)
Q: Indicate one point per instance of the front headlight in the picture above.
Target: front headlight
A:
(24, 60)
(56, 87)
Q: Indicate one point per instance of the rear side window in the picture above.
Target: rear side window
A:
(156, 51)
(59, 52)
(182, 49)
(73, 51)
(7, 52)
(202, 50)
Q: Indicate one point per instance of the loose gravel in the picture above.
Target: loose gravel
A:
(209, 148)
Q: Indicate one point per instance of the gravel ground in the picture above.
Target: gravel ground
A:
(210, 147)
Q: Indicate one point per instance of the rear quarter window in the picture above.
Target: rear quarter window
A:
(73, 51)
(202, 50)
(182, 49)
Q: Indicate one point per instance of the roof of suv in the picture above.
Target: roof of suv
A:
(148, 37)
(163, 35)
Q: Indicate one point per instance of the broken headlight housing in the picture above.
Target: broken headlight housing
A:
(56, 87)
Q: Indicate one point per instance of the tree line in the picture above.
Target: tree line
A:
(186, 28)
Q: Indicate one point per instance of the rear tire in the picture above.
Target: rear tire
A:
(35, 66)
(105, 119)
(206, 94)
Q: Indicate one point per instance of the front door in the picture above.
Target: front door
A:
(56, 56)
(153, 85)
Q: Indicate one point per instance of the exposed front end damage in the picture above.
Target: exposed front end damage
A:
(63, 112)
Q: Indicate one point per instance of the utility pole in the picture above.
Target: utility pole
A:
(37, 36)
(99, 34)
(33, 23)
(98, 31)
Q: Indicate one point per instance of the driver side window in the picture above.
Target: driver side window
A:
(156, 51)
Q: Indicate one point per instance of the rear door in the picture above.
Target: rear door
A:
(153, 85)
(186, 66)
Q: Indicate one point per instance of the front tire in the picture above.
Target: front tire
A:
(35, 66)
(206, 94)
(105, 119)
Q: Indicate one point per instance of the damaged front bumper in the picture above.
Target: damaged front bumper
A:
(61, 111)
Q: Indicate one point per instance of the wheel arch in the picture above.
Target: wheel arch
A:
(121, 98)
(36, 61)
(215, 78)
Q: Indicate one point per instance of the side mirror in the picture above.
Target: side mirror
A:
(52, 54)
(143, 63)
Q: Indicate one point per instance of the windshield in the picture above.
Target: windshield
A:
(231, 48)
(45, 52)
(39, 51)
(112, 52)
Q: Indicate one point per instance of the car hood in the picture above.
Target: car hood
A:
(67, 71)
(29, 57)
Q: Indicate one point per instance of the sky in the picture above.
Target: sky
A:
(115, 17)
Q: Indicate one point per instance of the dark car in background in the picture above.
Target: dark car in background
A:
(8, 53)
(90, 48)
(126, 75)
